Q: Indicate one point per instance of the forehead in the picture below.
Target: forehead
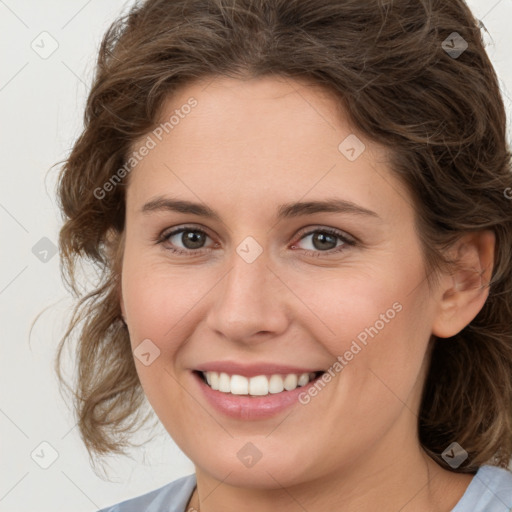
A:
(262, 141)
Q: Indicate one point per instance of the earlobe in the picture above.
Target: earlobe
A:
(463, 293)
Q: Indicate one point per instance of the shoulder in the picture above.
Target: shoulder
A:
(172, 497)
(489, 491)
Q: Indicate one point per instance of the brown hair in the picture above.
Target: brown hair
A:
(441, 115)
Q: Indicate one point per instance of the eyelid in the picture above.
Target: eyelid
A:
(180, 227)
(308, 230)
(168, 233)
(347, 239)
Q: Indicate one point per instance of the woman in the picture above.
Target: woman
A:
(301, 214)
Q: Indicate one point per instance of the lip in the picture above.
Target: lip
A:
(250, 408)
(252, 370)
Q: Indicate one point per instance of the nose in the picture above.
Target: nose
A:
(250, 303)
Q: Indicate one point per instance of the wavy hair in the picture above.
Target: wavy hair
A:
(389, 63)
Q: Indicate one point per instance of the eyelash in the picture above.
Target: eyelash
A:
(347, 242)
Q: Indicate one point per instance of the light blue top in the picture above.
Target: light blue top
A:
(172, 497)
(489, 491)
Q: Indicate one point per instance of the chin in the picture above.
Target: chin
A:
(273, 473)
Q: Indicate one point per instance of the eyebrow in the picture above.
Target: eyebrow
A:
(284, 211)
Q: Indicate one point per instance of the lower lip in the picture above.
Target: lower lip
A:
(244, 407)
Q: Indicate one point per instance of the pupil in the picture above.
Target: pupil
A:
(324, 238)
(192, 239)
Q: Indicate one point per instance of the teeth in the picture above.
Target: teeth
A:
(224, 383)
(303, 379)
(214, 380)
(276, 384)
(238, 385)
(290, 382)
(260, 385)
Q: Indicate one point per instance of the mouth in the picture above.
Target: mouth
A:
(258, 385)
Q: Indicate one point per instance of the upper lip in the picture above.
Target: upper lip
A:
(252, 370)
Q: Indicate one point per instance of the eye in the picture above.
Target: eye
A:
(325, 240)
(192, 238)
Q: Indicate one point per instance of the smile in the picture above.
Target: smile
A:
(255, 391)
(259, 385)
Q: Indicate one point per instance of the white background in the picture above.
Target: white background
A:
(41, 110)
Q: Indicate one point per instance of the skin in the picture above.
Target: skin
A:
(247, 147)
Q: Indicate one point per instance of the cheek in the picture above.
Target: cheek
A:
(356, 305)
(157, 308)
(159, 300)
(376, 327)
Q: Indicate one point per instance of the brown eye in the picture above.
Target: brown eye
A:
(325, 241)
(185, 240)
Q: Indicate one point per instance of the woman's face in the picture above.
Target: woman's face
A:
(264, 285)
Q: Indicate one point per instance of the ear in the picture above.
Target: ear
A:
(463, 293)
